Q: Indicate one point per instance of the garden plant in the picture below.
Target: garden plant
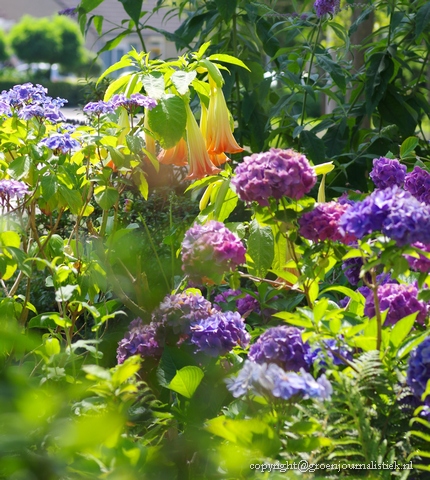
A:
(214, 276)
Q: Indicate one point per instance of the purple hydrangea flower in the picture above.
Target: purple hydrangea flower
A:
(419, 370)
(177, 312)
(421, 264)
(276, 173)
(381, 279)
(322, 7)
(12, 189)
(60, 142)
(210, 250)
(387, 172)
(226, 296)
(351, 268)
(139, 340)
(98, 108)
(218, 334)
(5, 108)
(281, 345)
(248, 304)
(400, 300)
(417, 183)
(394, 212)
(69, 12)
(132, 102)
(328, 348)
(252, 378)
(322, 223)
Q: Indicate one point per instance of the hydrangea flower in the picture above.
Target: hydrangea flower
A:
(12, 189)
(400, 300)
(419, 370)
(226, 296)
(218, 334)
(322, 7)
(134, 101)
(276, 173)
(417, 183)
(210, 250)
(421, 264)
(329, 348)
(98, 108)
(60, 142)
(248, 303)
(322, 223)
(351, 268)
(281, 345)
(387, 172)
(177, 312)
(394, 212)
(140, 339)
(270, 379)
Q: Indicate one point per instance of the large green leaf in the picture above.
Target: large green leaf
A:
(154, 84)
(315, 148)
(106, 197)
(422, 19)
(378, 74)
(181, 80)
(186, 380)
(401, 329)
(260, 249)
(333, 69)
(133, 9)
(167, 120)
(72, 199)
(226, 8)
(89, 5)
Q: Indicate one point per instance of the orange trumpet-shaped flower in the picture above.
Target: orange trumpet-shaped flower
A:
(198, 157)
(218, 158)
(219, 137)
(177, 155)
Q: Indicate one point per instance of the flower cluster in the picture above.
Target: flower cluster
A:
(131, 103)
(351, 268)
(387, 172)
(276, 173)
(419, 370)
(210, 250)
(218, 334)
(270, 379)
(400, 300)
(140, 339)
(12, 189)
(422, 263)
(394, 212)
(332, 349)
(322, 7)
(322, 223)
(281, 345)
(60, 142)
(31, 101)
(417, 183)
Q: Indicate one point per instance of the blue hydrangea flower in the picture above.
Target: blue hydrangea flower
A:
(387, 172)
(328, 348)
(417, 183)
(400, 300)
(98, 108)
(252, 378)
(276, 173)
(419, 370)
(323, 7)
(281, 345)
(60, 142)
(219, 333)
(140, 339)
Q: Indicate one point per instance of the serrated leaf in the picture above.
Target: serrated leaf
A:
(186, 380)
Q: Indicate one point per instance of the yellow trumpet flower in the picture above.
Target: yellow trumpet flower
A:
(177, 155)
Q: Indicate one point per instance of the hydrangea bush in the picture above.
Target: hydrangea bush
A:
(287, 322)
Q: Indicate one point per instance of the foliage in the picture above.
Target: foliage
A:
(4, 53)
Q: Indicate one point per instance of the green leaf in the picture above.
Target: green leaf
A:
(72, 199)
(49, 187)
(315, 148)
(408, 146)
(172, 360)
(186, 380)
(117, 85)
(167, 120)
(294, 319)
(20, 167)
(378, 74)
(124, 62)
(52, 346)
(422, 19)
(63, 294)
(135, 144)
(133, 9)
(226, 8)
(333, 69)
(181, 80)
(154, 84)
(401, 329)
(89, 5)
(126, 370)
(143, 186)
(48, 320)
(345, 290)
(106, 197)
(111, 44)
(98, 23)
(260, 249)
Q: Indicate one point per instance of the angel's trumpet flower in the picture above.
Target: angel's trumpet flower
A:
(177, 155)
(219, 137)
(198, 157)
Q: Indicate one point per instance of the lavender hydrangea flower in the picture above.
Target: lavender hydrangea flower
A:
(226, 295)
(210, 250)
(417, 183)
(98, 108)
(252, 378)
(400, 300)
(177, 312)
(12, 189)
(219, 333)
(69, 12)
(387, 172)
(60, 142)
(276, 173)
(281, 345)
(134, 101)
(322, 7)
(351, 268)
(332, 349)
(421, 264)
(140, 339)
(322, 223)
(394, 212)
(419, 370)
(248, 304)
